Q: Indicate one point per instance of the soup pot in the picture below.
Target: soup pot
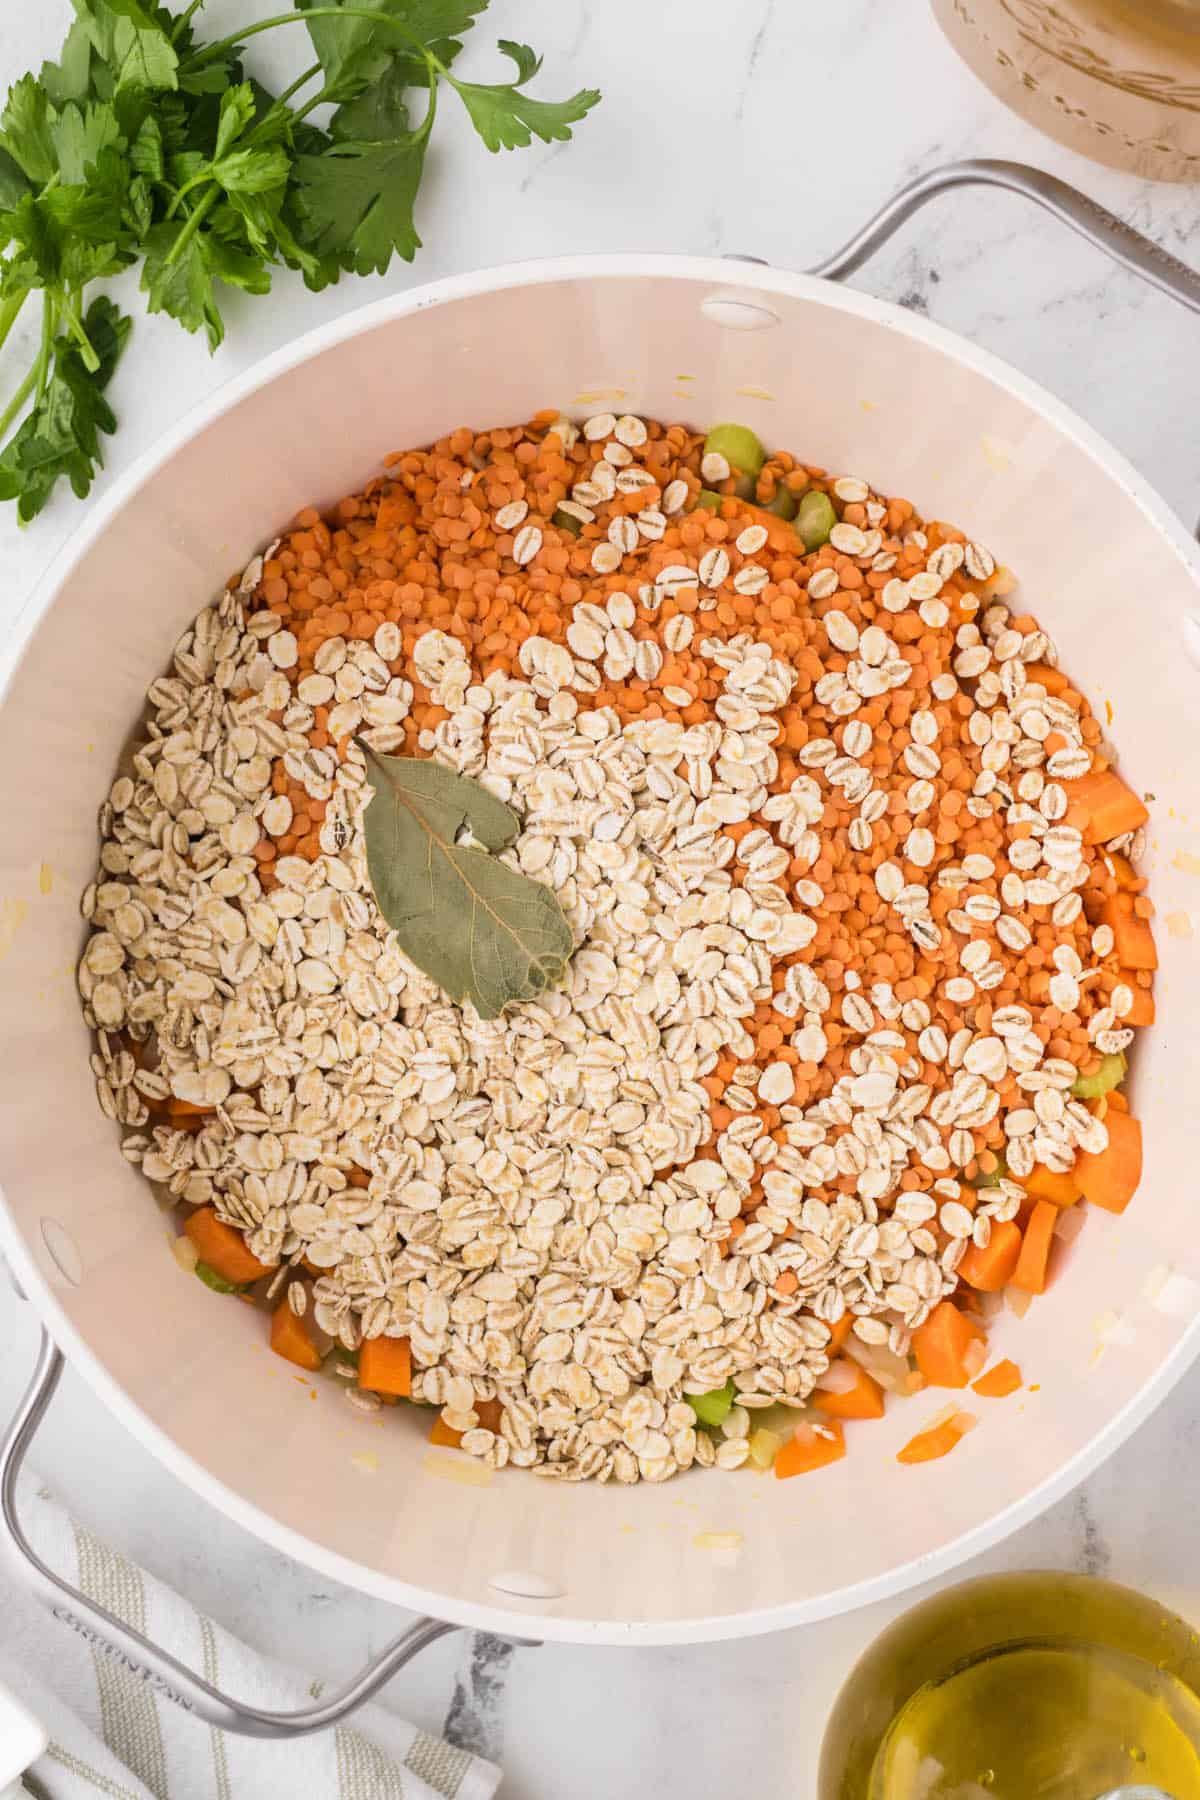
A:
(834, 374)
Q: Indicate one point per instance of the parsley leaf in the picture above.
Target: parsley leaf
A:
(142, 145)
(25, 130)
(356, 201)
(507, 119)
(132, 40)
(62, 433)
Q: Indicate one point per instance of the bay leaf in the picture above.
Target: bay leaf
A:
(482, 930)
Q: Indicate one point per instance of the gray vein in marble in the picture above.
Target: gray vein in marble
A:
(1095, 1557)
(474, 1717)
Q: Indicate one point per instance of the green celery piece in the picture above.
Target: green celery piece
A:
(708, 499)
(994, 1177)
(782, 504)
(712, 1409)
(1108, 1076)
(566, 521)
(208, 1275)
(741, 448)
(815, 519)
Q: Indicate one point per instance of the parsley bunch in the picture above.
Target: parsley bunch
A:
(143, 145)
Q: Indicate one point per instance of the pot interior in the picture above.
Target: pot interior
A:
(838, 380)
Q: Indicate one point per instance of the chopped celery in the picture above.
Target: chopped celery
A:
(708, 499)
(782, 503)
(713, 1408)
(217, 1283)
(815, 520)
(741, 448)
(993, 1177)
(1109, 1075)
(566, 521)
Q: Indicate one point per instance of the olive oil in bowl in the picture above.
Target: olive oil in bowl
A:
(1021, 1687)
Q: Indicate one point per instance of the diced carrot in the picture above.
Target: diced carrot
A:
(941, 1343)
(1133, 939)
(1002, 1379)
(840, 1332)
(809, 1450)
(385, 1366)
(991, 1269)
(290, 1339)
(1127, 876)
(1030, 1272)
(863, 1401)
(929, 1445)
(1053, 680)
(1048, 1184)
(1142, 1010)
(223, 1248)
(489, 1420)
(1115, 1101)
(1102, 806)
(781, 534)
(1109, 1177)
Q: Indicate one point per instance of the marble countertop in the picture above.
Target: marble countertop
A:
(808, 117)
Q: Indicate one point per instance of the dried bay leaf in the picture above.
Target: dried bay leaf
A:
(482, 930)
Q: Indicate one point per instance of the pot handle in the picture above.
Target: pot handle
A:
(137, 1653)
(1126, 246)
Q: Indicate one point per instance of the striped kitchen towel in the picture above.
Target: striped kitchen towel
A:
(111, 1734)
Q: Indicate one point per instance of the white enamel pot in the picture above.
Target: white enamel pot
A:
(863, 387)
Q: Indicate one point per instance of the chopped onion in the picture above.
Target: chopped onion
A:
(889, 1370)
(1069, 1224)
(841, 1377)
(1018, 1302)
(764, 1448)
(974, 1357)
(964, 1422)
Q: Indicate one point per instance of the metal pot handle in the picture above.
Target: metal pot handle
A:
(136, 1652)
(1126, 246)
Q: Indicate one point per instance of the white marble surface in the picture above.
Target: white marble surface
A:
(768, 128)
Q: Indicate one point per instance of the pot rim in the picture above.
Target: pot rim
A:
(508, 1619)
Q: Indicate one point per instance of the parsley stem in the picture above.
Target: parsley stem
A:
(10, 312)
(72, 317)
(18, 400)
(299, 18)
(193, 223)
(184, 20)
(45, 353)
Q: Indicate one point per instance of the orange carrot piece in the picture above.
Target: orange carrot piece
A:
(863, 1401)
(1110, 1177)
(941, 1343)
(385, 1366)
(1030, 1272)
(1048, 1184)
(290, 1339)
(1142, 1010)
(991, 1269)
(489, 1420)
(839, 1333)
(223, 1248)
(1133, 939)
(1053, 680)
(929, 1445)
(1102, 806)
(810, 1450)
(1115, 1101)
(1001, 1380)
(1126, 875)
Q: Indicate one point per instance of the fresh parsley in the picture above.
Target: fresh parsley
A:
(144, 147)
